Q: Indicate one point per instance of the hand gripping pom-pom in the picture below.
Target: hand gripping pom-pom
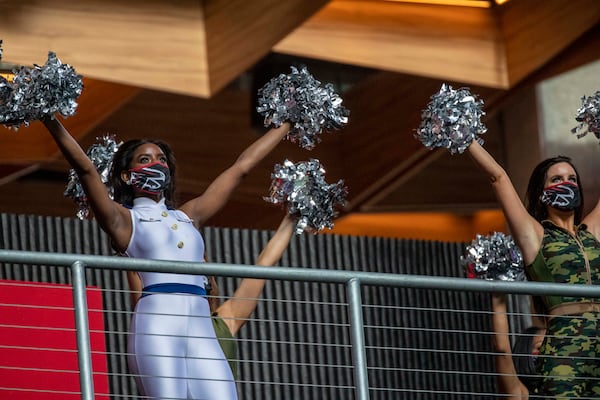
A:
(301, 100)
(39, 91)
(101, 154)
(451, 120)
(301, 187)
(493, 257)
(588, 116)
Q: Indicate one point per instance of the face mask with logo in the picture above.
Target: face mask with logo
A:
(563, 196)
(150, 178)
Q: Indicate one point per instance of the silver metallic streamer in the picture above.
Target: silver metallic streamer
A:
(494, 257)
(5, 85)
(588, 116)
(451, 120)
(39, 91)
(303, 101)
(301, 187)
(101, 154)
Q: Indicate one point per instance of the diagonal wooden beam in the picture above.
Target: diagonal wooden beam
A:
(379, 148)
(9, 173)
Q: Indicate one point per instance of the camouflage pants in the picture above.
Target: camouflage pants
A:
(570, 358)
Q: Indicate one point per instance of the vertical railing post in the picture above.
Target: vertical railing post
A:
(359, 353)
(84, 354)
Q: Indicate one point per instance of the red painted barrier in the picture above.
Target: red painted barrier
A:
(38, 345)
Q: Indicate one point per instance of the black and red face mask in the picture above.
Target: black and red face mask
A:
(563, 196)
(151, 178)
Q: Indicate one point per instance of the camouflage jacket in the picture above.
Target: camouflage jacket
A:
(566, 258)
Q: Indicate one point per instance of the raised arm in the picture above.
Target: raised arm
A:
(236, 310)
(508, 381)
(113, 218)
(524, 228)
(216, 195)
(592, 220)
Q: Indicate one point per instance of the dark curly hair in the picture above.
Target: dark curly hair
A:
(536, 186)
(123, 193)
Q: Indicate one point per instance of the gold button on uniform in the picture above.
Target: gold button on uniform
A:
(180, 245)
(164, 214)
(174, 227)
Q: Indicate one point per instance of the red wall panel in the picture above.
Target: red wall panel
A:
(38, 344)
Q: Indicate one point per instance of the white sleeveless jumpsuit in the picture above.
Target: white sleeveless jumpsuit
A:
(172, 344)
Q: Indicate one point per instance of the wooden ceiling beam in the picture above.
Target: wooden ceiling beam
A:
(494, 47)
(188, 47)
(431, 41)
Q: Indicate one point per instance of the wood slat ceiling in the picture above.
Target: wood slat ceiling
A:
(187, 72)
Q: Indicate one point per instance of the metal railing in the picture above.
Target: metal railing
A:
(352, 280)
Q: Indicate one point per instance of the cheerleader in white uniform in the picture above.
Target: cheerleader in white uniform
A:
(172, 343)
(173, 350)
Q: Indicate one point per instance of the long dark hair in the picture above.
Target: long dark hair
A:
(122, 192)
(535, 188)
(523, 358)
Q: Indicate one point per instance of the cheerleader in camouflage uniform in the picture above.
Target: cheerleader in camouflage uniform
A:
(558, 245)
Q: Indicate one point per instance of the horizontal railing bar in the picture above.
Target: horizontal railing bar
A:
(305, 274)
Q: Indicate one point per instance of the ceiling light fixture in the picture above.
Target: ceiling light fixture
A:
(462, 3)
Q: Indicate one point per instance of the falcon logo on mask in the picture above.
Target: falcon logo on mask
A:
(151, 178)
(563, 196)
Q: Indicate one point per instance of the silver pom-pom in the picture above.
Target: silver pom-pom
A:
(301, 187)
(303, 101)
(101, 154)
(39, 91)
(494, 257)
(452, 120)
(588, 116)
(6, 77)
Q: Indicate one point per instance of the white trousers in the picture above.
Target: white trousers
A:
(174, 351)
